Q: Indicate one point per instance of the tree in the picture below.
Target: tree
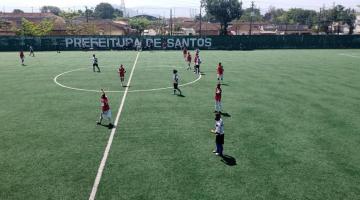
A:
(18, 11)
(246, 16)
(224, 11)
(50, 9)
(104, 11)
(301, 16)
(29, 28)
(68, 16)
(338, 14)
(118, 13)
(139, 23)
(273, 14)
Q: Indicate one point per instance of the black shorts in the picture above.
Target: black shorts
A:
(219, 139)
(176, 86)
(95, 65)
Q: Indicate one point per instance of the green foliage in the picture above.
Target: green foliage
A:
(50, 9)
(246, 16)
(224, 11)
(338, 14)
(18, 11)
(70, 15)
(29, 28)
(117, 14)
(104, 11)
(273, 15)
(139, 23)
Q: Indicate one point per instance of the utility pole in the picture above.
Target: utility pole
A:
(200, 30)
(319, 18)
(171, 22)
(87, 14)
(251, 17)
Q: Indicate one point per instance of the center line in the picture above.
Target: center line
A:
(108, 146)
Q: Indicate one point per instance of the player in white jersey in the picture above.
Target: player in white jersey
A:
(95, 63)
(219, 132)
(176, 82)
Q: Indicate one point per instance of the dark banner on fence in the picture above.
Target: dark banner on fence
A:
(12, 43)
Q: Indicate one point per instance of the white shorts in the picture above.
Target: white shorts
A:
(106, 114)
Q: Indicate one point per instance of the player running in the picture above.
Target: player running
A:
(176, 82)
(218, 93)
(105, 110)
(22, 57)
(31, 51)
(95, 63)
(189, 59)
(220, 73)
(122, 72)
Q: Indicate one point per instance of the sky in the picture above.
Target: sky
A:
(145, 5)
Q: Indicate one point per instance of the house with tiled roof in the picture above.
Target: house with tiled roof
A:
(14, 20)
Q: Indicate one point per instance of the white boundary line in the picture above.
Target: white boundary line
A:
(349, 55)
(115, 91)
(108, 146)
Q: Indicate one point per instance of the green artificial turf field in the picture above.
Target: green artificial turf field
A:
(293, 130)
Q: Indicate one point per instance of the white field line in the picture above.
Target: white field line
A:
(115, 91)
(108, 146)
(349, 55)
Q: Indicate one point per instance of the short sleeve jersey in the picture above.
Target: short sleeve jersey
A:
(105, 104)
(219, 127)
(176, 78)
(220, 70)
(218, 92)
(95, 60)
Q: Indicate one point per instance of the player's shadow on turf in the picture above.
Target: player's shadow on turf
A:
(106, 125)
(228, 160)
(225, 114)
(180, 95)
(224, 84)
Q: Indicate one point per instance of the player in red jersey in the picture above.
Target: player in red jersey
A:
(122, 72)
(22, 57)
(189, 59)
(105, 110)
(185, 52)
(220, 73)
(218, 92)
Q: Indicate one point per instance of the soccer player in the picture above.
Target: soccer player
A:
(31, 51)
(122, 74)
(197, 51)
(189, 59)
(185, 52)
(219, 132)
(197, 62)
(22, 57)
(176, 81)
(218, 92)
(95, 63)
(105, 110)
(220, 73)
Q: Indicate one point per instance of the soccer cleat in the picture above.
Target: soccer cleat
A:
(111, 126)
(217, 154)
(214, 151)
(98, 123)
